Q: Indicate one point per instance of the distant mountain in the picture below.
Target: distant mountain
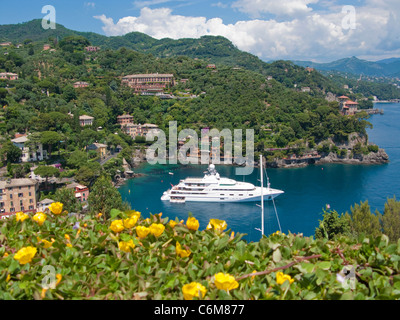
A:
(215, 49)
(383, 68)
(212, 49)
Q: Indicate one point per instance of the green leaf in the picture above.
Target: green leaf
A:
(277, 256)
(306, 267)
(324, 265)
(115, 213)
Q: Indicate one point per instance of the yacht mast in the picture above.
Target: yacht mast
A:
(262, 196)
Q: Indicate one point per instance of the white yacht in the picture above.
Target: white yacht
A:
(213, 188)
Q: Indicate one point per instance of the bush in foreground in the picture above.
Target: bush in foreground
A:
(56, 256)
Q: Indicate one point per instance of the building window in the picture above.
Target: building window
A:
(20, 195)
(12, 209)
(31, 207)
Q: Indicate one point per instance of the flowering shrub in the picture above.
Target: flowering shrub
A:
(128, 257)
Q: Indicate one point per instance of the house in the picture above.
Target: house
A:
(140, 130)
(5, 44)
(81, 84)
(46, 47)
(8, 76)
(148, 83)
(124, 119)
(29, 155)
(347, 107)
(211, 66)
(86, 120)
(43, 205)
(81, 191)
(92, 49)
(305, 89)
(18, 195)
(350, 108)
(99, 147)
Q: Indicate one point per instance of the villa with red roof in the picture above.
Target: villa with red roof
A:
(347, 107)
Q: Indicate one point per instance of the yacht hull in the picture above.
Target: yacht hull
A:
(182, 198)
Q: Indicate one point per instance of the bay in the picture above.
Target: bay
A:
(307, 190)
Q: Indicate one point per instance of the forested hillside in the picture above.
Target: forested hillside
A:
(270, 101)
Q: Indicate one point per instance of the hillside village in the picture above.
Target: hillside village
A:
(72, 111)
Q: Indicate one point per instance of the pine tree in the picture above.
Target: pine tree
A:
(332, 225)
(391, 219)
(363, 221)
(104, 197)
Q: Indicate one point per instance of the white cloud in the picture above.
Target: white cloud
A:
(219, 5)
(277, 7)
(89, 4)
(317, 36)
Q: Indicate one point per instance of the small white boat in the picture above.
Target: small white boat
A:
(213, 188)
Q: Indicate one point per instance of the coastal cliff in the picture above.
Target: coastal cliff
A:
(355, 150)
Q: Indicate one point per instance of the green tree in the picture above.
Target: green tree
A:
(10, 153)
(69, 93)
(332, 225)
(77, 159)
(88, 173)
(47, 172)
(362, 221)
(50, 138)
(104, 197)
(391, 219)
(67, 197)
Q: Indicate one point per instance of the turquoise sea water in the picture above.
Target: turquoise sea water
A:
(307, 190)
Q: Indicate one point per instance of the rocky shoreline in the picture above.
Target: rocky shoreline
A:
(373, 158)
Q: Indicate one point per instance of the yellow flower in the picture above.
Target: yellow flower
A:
(192, 223)
(157, 229)
(130, 222)
(117, 226)
(59, 277)
(8, 278)
(99, 215)
(69, 245)
(67, 237)
(193, 290)
(20, 216)
(47, 244)
(39, 218)
(218, 225)
(225, 281)
(25, 255)
(172, 223)
(142, 232)
(126, 246)
(135, 213)
(43, 294)
(182, 252)
(5, 255)
(281, 278)
(56, 207)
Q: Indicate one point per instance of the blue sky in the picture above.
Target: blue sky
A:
(317, 30)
